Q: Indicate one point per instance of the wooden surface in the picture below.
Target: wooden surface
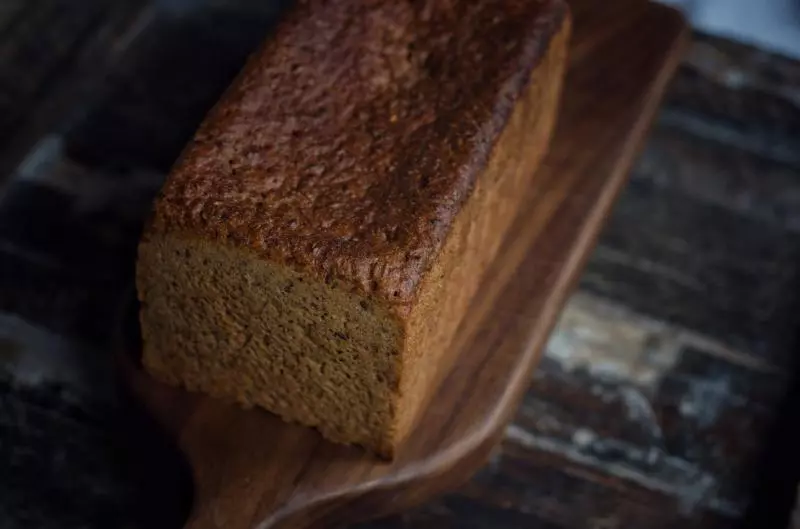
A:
(251, 470)
(653, 400)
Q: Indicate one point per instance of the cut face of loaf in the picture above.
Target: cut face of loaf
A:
(316, 247)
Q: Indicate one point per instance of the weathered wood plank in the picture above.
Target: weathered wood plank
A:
(526, 487)
(51, 59)
(36, 47)
(165, 83)
(654, 402)
(68, 239)
(742, 183)
(741, 96)
(66, 463)
(677, 258)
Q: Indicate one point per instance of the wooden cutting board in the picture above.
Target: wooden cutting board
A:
(252, 470)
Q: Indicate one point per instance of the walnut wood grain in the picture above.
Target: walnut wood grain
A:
(251, 470)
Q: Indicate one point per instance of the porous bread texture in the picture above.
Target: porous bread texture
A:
(216, 319)
(227, 318)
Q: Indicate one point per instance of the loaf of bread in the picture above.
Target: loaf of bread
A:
(317, 244)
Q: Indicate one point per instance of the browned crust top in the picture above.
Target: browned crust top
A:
(349, 142)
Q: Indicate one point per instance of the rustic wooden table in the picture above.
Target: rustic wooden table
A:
(654, 401)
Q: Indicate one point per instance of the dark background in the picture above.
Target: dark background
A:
(664, 399)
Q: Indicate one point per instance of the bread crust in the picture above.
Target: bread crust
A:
(319, 242)
(349, 143)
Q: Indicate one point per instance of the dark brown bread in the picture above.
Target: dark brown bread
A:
(315, 247)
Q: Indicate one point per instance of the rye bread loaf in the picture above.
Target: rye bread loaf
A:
(317, 244)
